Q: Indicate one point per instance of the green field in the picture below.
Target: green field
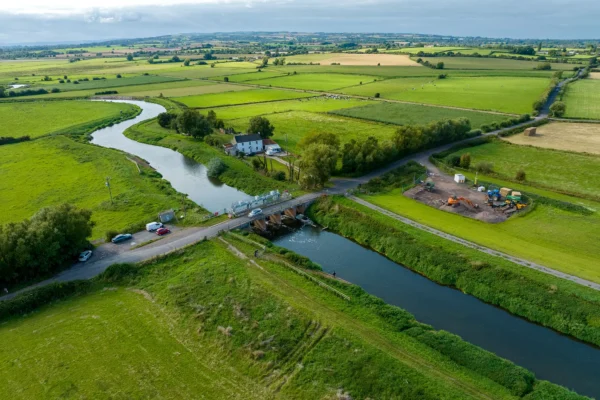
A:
(292, 126)
(583, 99)
(504, 94)
(241, 97)
(254, 75)
(57, 170)
(101, 84)
(320, 82)
(410, 114)
(557, 170)
(491, 63)
(37, 119)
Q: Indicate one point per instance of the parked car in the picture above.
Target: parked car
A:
(255, 212)
(83, 257)
(162, 231)
(122, 237)
(152, 226)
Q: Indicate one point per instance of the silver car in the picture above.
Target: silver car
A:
(83, 257)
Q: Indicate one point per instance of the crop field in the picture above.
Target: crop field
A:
(37, 119)
(254, 75)
(409, 114)
(571, 136)
(491, 63)
(200, 71)
(355, 59)
(292, 126)
(558, 170)
(241, 97)
(106, 83)
(583, 99)
(594, 75)
(56, 170)
(320, 82)
(504, 94)
(441, 49)
(312, 104)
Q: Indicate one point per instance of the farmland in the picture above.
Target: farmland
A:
(321, 82)
(355, 59)
(491, 63)
(583, 99)
(504, 94)
(23, 119)
(572, 136)
(241, 97)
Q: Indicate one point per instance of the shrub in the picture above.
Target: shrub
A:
(226, 79)
(377, 95)
(465, 160)
(215, 167)
(558, 109)
(108, 235)
(278, 175)
(486, 128)
(453, 161)
(165, 119)
(520, 176)
(484, 167)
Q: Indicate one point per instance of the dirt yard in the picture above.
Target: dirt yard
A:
(445, 187)
(370, 59)
(581, 137)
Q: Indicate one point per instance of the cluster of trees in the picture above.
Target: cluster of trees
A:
(558, 109)
(10, 140)
(261, 126)
(426, 63)
(191, 122)
(47, 242)
(26, 92)
(544, 66)
(279, 61)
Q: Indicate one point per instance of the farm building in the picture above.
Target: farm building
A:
(250, 144)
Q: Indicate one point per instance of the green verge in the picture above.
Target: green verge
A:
(553, 302)
(208, 323)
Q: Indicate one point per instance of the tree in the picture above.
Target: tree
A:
(226, 79)
(214, 121)
(175, 58)
(119, 76)
(465, 161)
(129, 57)
(544, 66)
(317, 164)
(521, 176)
(192, 123)
(215, 167)
(187, 62)
(377, 95)
(165, 119)
(2, 92)
(539, 48)
(558, 109)
(440, 65)
(261, 126)
(208, 55)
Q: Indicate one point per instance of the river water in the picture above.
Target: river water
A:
(549, 355)
(186, 175)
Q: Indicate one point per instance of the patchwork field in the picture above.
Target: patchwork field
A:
(408, 114)
(583, 99)
(254, 75)
(320, 82)
(355, 59)
(102, 84)
(504, 94)
(241, 97)
(580, 137)
(57, 170)
(491, 63)
(37, 119)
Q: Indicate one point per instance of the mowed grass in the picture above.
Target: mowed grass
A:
(55, 170)
(291, 127)
(320, 82)
(556, 170)
(583, 99)
(241, 97)
(549, 236)
(410, 114)
(504, 94)
(110, 344)
(37, 119)
(492, 63)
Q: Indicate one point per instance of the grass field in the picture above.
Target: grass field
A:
(100, 85)
(292, 126)
(504, 94)
(241, 97)
(355, 59)
(583, 99)
(408, 114)
(558, 170)
(37, 119)
(491, 63)
(320, 82)
(571, 136)
(57, 170)
(254, 75)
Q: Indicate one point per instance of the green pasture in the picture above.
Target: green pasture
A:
(583, 99)
(102, 84)
(491, 63)
(241, 97)
(192, 88)
(320, 82)
(441, 49)
(410, 114)
(504, 94)
(200, 71)
(56, 170)
(37, 119)
(557, 170)
(254, 75)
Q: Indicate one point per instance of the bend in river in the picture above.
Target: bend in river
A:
(184, 174)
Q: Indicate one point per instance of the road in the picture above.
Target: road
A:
(108, 254)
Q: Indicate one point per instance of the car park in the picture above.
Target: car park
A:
(84, 256)
(122, 237)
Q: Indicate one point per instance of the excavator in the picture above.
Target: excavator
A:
(454, 201)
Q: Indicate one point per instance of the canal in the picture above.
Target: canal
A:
(551, 356)
(185, 175)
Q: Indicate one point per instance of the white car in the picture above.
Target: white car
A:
(153, 226)
(255, 212)
(83, 257)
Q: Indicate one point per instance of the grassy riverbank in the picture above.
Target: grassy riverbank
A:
(562, 305)
(212, 323)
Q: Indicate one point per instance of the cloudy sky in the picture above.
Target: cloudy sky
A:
(36, 21)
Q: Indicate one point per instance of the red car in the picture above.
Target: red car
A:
(162, 231)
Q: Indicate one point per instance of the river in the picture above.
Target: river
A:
(186, 175)
(550, 355)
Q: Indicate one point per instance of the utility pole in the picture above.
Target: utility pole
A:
(183, 202)
(107, 183)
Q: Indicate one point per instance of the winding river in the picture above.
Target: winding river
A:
(186, 175)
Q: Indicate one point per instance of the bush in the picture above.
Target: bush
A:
(465, 160)
(545, 390)
(278, 175)
(215, 167)
(484, 167)
(165, 119)
(558, 109)
(118, 272)
(520, 176)
(453, 161)
(108, 235)
(377, 95)
(106, 92)
(486, 128)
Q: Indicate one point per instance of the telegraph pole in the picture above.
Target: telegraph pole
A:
(107, 183)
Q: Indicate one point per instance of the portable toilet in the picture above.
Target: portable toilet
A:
(459, 178)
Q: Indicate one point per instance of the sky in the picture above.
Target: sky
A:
(48, 21)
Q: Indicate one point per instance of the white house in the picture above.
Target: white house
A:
(248, 144)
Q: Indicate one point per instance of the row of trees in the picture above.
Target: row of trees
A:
(191, 122)
(47, 242)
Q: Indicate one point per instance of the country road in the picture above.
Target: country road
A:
(108, 254)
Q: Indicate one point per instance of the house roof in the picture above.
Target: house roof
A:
(227, 145)
(247, 138)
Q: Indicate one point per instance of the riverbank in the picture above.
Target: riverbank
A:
(561, 305)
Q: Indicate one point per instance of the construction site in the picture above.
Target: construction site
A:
(454, 194)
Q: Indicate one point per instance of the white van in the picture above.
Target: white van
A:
(152, 226)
